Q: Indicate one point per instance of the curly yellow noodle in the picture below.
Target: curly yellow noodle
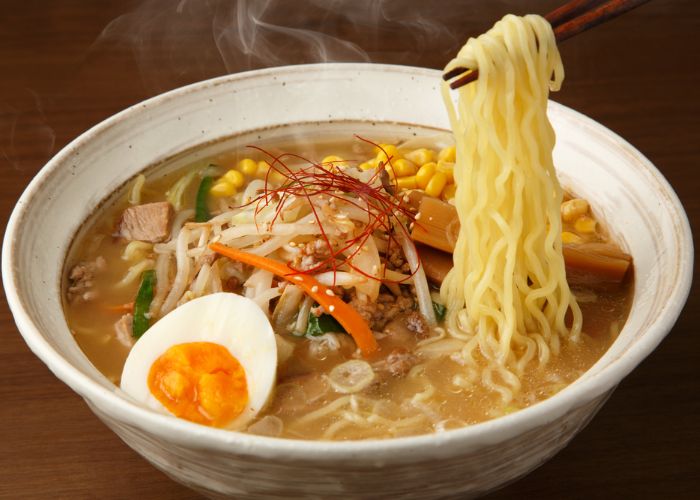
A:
(507, 294)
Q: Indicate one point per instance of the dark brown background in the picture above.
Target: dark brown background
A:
(67, 64)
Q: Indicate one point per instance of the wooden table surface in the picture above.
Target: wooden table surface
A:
(65, 65)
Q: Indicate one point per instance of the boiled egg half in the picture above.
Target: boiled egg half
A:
(212, 361)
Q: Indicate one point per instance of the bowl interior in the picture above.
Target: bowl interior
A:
(638, 205)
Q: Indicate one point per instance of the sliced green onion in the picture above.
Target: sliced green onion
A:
(142, 304)
(325, 323)
(201, 208)
(440, 311)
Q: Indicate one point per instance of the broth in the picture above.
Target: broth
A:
(426, 396)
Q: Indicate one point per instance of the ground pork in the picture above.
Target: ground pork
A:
(416, 323)
(123, 330)
(396, 260)
(312, 254)
(400, 361)
(81, 280)
(386, 308)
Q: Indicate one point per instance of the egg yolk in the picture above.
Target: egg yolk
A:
(201, 382)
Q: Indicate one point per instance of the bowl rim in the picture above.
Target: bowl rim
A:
(400, 449)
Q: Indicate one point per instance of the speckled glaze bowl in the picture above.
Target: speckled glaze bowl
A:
(626, 190)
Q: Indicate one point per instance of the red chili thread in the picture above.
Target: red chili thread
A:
(382, 208)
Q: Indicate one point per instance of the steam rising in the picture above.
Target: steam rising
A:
(26, 120)
(175, 43)
(246, 40)
(164, 44)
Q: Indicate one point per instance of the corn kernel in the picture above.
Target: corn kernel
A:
(449, 192)
(585, 224)
(235, 177)
(262, 169)
(388, 151)
(378, 148)
(421, 156)
(369, 164)
(277, 177)
(248, 167)
(573, 209)
(332, 162)
(425, 173)
(222, 188)
(448, 154)
(408, 182)
(402, 167)
(447, 169)
(436, 184)
(568, 237)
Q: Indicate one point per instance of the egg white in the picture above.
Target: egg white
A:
(227, 319)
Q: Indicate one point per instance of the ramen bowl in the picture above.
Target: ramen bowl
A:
(625, 189)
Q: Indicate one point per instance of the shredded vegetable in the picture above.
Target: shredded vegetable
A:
(201, 213)
(175, 194)
(351, 377)
(135, 193)
(440, 311)
(121, 308)
(325, 323)
(142, 304)
(353, 323)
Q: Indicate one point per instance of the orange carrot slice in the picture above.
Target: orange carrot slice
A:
(353, 323)
(121, 308)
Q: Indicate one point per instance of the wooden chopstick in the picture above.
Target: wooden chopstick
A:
(593, 16)
(570, 10)
(568, 20)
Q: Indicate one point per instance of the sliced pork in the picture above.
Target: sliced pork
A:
(148, 222)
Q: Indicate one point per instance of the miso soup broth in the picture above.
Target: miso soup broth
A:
(339, 223)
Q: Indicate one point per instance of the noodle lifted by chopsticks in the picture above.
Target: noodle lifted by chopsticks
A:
(507, 293)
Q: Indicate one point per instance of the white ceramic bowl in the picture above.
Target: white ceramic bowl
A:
(625, 188)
